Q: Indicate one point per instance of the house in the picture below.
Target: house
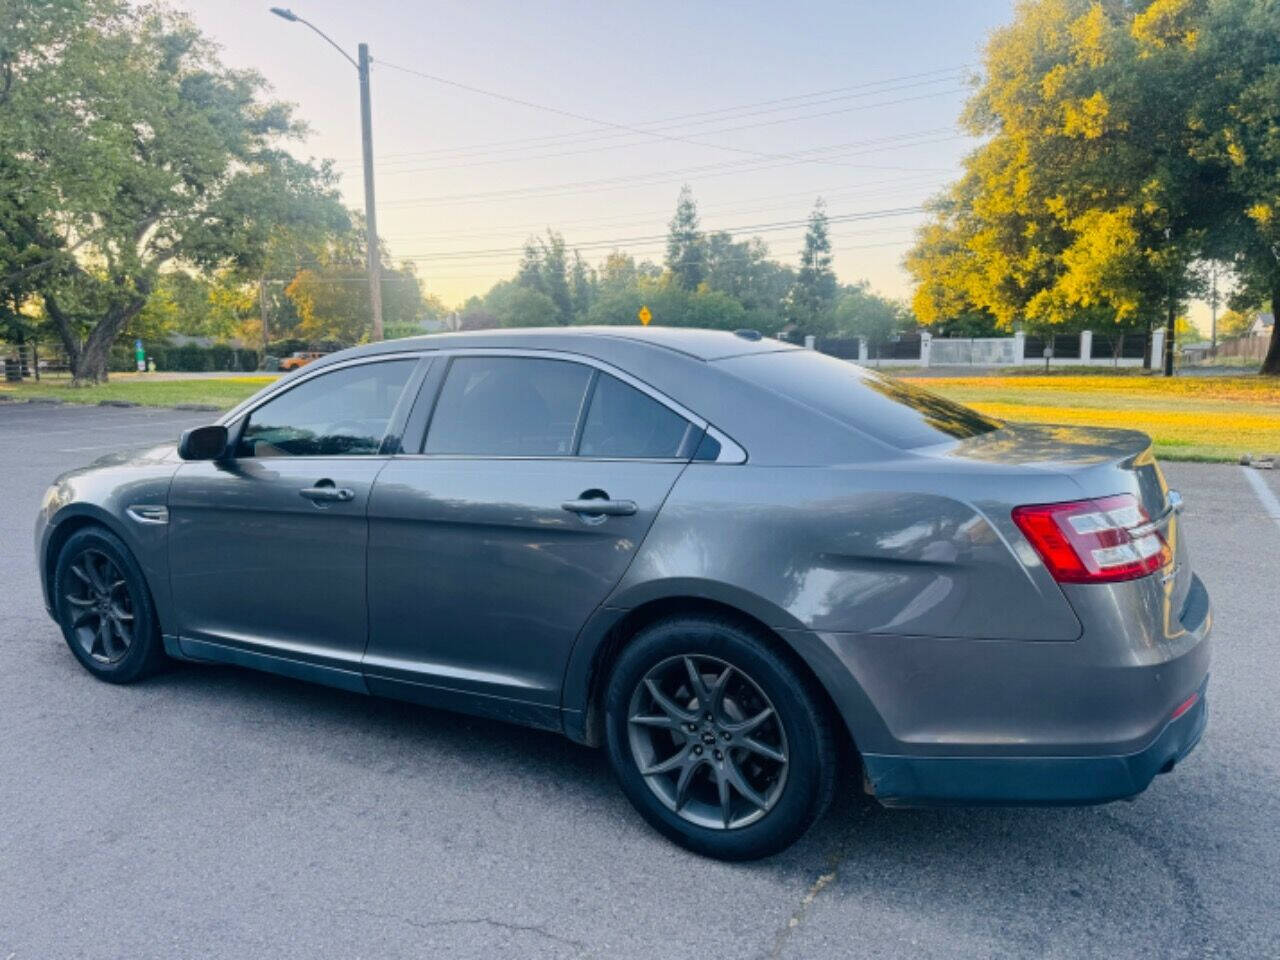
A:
(1262, 325)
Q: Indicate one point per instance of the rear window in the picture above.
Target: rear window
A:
(889, 410)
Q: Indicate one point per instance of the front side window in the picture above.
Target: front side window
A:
(342, 413)
(624, 423)
(508, 407)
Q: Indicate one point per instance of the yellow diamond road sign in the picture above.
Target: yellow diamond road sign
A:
(645, 316)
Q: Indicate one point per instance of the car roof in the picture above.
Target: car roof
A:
(693, 342)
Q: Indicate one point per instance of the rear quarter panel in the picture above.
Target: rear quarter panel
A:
(866, 549)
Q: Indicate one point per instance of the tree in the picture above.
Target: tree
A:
(1085, 201)
(333, 304)
(814, 292)
(1236, 322)
(861, 313)
(1237, 107)
(686, 246)
(582, 288)
(1126, 140)
(129, 148)
(544, 268)
(516, 305)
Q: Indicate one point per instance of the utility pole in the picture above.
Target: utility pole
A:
(370, 213)
(366, 136)
(262, 309)
(1213, 312)
(1172, 321)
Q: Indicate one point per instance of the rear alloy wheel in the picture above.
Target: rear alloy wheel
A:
(104, 607)
(708, 741)
(720, 742)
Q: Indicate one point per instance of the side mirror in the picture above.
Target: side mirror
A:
(203, 443)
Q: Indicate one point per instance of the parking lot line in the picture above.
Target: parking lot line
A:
(1269, 502)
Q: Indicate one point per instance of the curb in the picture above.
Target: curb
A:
(117, 403)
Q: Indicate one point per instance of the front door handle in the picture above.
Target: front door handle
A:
(327, 493)
(601, 508)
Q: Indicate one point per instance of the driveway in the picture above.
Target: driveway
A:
(213, 812)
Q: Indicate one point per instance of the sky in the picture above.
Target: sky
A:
(759, 107)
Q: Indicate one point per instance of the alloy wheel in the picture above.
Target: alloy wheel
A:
(98, 606)
(708, 741)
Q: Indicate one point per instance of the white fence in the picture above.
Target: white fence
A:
(998, 352)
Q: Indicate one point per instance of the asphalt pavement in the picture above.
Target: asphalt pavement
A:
(215, 812)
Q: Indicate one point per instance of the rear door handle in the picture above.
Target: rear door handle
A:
(601, 508)
(328, 494)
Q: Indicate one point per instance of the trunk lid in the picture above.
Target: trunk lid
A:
(1101, 462)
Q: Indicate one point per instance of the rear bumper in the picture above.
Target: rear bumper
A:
(1031, 781)
(946, 721)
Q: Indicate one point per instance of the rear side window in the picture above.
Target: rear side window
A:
(622, 422)
(508, 407)
(894, 412)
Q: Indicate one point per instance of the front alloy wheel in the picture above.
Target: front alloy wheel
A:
(99, 606)
(104, 608)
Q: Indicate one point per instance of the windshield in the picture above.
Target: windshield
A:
(889, 410)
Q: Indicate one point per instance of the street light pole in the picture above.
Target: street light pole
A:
(374, 259)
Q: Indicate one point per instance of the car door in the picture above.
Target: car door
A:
(267, 546)
(537, 481)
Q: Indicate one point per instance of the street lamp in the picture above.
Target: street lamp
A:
(366, 136)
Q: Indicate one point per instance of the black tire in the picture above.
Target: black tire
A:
(797, 790)
(94, 558)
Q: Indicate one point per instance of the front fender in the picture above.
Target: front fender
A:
(102, 496)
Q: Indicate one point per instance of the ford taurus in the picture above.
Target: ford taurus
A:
(747, 570)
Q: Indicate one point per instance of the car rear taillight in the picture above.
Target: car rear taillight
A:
(1094, 541)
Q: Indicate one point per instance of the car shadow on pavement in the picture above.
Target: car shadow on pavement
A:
(990, 872)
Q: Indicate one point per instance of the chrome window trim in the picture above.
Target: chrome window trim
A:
(730, 451)
(585, 360)
(236, 417)
(287, 383)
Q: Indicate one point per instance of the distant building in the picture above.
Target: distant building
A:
(1262, 324)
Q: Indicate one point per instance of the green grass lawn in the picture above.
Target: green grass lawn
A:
(1188, 418)
(220, 392)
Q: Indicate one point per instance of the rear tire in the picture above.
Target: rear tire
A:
(105, 609)
(717, 740)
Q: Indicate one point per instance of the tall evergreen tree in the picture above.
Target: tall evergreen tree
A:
(582, 287)
(814, 292)
(529, 273)
(686, 246)
(555, 276)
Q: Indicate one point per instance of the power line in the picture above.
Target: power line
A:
(725, 168)
(548, 139)
(618, 146)
(605, 123)
(750, 229)
(521, 231)
(396, 167)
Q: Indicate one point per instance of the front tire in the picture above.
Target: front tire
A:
(105, 609)
(719, 742)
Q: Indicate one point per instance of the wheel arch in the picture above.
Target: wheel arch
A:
(611, 628)
(72, 519)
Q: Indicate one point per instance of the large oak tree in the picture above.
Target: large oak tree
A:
(127, 149)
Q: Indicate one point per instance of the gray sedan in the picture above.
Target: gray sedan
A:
(741, 567)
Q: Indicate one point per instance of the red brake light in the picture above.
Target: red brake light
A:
(1093, 541)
